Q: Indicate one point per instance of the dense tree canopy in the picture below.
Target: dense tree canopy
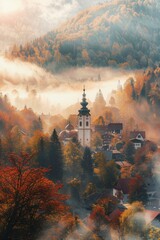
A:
(27, 198)
(97, 37)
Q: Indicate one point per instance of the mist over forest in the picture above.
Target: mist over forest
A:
(33, 86)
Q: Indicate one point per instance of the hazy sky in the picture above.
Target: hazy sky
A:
(22, 20)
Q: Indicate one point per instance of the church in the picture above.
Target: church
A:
(83, 131)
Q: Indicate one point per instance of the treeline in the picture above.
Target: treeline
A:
(16, 127)
(145, 89)
(26, 120)
(112, 34)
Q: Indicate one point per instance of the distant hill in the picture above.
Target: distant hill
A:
(26, 121)
(118, 33)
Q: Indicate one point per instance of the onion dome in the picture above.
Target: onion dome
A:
(84, 110)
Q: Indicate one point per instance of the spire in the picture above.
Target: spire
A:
(84, 92)
(84, 110)
(99, 77)
(119, 86)
(100, 92)
(100, 99)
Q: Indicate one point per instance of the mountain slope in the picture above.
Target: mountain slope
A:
(121, 33)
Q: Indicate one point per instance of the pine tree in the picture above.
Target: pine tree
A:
(40, 124)
(87, 163)
(54, 137)
(41, 153)
(134, 95)
(129, 152)
(55, 158)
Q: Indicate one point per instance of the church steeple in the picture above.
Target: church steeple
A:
(84, 122)
(84, 110)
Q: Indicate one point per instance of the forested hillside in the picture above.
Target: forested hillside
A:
(117, 33)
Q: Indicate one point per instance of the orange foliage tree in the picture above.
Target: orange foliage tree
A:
(27, 198)
(99, 217)
(100, 214)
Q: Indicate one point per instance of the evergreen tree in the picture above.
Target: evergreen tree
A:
(40, 124)
(134, 95)
(111, 174)
(129, 152)
(143, 91)
(54, 137)
(87, 163)
(41, 153)
(55, 158)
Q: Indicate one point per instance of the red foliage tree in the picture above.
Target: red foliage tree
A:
(27, 198)
(99, 217)
(100, 213)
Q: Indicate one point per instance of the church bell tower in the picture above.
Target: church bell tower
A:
(84, 123)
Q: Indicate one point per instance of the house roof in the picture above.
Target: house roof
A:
(68, 134)
(151, 215)
(115, 126)
(69, 127)
(135, 140)
(123, 163)
(134, 134)
(123, 185)
(100, 128)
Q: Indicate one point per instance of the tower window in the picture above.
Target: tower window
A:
(87, 124)
(80, 124)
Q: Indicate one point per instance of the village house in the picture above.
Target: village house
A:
(68, 133)
(121, 189)
(137, 138)
(115, 128)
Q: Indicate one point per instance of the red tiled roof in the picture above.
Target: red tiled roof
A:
(150, 215)
(123, 163)
(134, 134)
(69, 127)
